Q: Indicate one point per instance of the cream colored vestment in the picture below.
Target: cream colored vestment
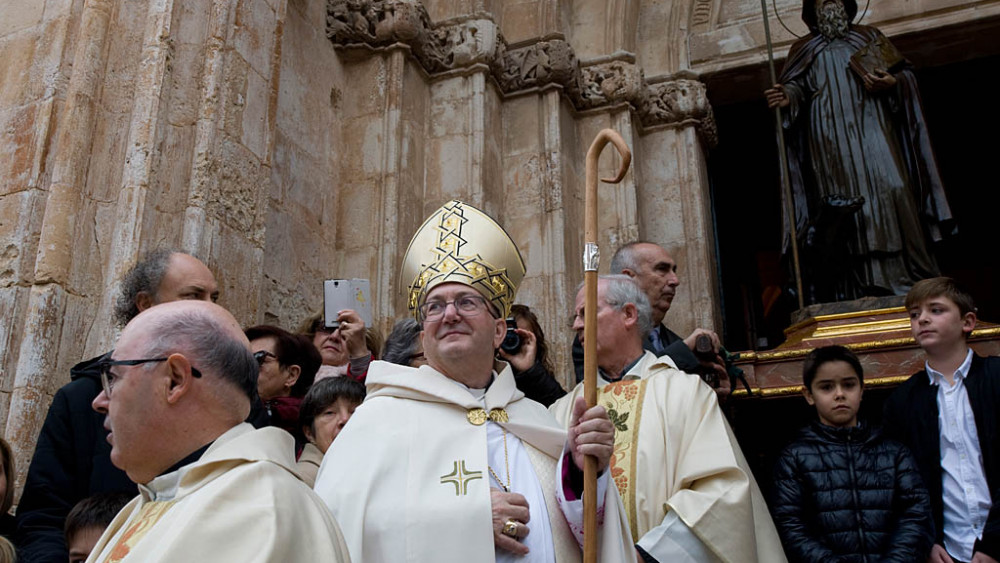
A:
(308, 464)
(408, 478)
(241, 501)
(679, 469)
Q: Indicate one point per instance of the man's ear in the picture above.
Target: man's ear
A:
(181, 377)
(292, 378)
(143, 301)
(631, 314)
(629, 272)
(808, 395)
(501, 331)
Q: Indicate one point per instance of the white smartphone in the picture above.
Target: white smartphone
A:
(352, 294)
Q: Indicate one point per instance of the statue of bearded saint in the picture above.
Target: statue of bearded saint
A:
(859, 137)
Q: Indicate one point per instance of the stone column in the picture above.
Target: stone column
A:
(41, 339)
(675, 208)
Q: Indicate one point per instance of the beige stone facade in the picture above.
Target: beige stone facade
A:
(290, 141)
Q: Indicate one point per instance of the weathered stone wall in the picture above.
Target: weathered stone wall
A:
(132, 125)
(290, 141)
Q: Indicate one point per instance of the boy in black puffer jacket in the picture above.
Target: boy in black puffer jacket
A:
(843, 492)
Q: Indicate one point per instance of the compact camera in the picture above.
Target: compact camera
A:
(512, 340)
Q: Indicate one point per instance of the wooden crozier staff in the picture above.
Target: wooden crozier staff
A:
(591, 259)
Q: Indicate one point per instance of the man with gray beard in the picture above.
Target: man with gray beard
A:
(861, 136)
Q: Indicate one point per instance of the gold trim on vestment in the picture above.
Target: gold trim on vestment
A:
(148, 516)
(478, 417)
(623, 401)
(460, 477)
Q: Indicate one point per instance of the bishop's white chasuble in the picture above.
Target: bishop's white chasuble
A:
(409, 477)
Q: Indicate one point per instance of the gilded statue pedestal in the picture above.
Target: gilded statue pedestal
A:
(880, 335)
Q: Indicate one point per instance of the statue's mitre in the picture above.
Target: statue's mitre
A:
(459, 243)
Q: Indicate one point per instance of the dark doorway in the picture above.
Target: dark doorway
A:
(962, 117)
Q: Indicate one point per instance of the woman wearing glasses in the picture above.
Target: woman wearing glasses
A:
(288, 365)
(347, 349)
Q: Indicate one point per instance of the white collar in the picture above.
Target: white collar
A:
(960, 374)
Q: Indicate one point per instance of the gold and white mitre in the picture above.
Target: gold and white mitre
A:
(459, 243)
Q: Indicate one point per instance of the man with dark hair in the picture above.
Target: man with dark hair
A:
(857, 131)
(175, 392)
(71, 460)
(162, 276)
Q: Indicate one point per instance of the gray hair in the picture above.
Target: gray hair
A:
(144, 277)
(625, 257)
(402, 342)
(620, 290)
(208, 345)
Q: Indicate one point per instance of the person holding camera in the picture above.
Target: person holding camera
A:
(347, 347)
(525, 349)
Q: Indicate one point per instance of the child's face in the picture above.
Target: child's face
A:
(330, 422)
(836, 394)
(937, 324)
(82, 542)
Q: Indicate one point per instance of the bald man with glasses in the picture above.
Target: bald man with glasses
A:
(175, 392)
(71, 460)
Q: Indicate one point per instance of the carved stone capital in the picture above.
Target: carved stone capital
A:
(537, 65)
(379, 23)
(463, 43)
(607, 84)
(677, 101)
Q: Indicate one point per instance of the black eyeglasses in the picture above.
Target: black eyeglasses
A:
(262, 355)
(467, 305)
(108, 379)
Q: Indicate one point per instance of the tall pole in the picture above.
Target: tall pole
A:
(591, 260)
(783, 156)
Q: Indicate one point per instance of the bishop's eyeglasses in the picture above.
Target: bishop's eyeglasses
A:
(467, 305)
(108, 378)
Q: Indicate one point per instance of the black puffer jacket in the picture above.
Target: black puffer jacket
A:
(848, 494)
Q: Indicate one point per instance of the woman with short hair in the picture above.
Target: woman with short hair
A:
(325, 410)
(288, 364)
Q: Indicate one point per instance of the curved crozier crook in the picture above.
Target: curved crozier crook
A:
(611, 136)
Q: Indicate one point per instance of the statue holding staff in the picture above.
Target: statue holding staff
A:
(857, 137)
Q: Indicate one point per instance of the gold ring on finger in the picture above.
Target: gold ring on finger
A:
(510, 528)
